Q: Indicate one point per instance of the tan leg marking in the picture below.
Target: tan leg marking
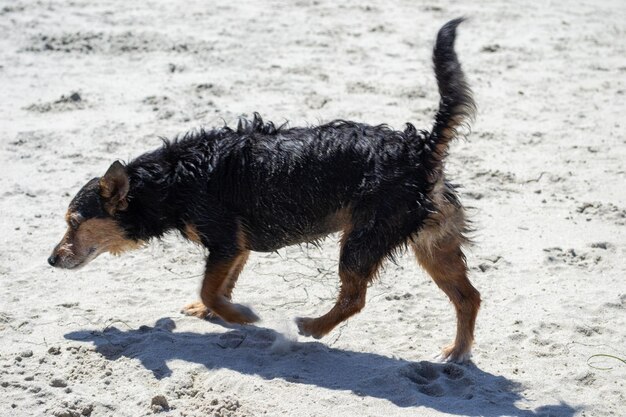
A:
(446, 266)
(233, 275)
(438, 250)
(217, 278)
(198, 309)
(351, 300)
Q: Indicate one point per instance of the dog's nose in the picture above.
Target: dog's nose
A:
(52, 260)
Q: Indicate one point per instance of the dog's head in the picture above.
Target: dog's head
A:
(93, 221)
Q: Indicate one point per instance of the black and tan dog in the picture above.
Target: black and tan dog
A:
(261, 187)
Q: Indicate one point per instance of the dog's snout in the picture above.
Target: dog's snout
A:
(53, 259)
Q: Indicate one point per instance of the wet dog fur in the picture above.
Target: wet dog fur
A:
(260, 187)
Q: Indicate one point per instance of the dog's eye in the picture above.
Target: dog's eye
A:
(74, 224)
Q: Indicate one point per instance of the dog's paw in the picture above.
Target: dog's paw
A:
(454, 355)
(244, 315)
(235, 313)
(197, 309)
(307, 327)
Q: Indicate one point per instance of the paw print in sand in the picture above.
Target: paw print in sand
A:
(439, 380)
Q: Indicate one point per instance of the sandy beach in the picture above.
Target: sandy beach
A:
(543, 173)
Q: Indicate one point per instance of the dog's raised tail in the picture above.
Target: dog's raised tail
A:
(456, 105)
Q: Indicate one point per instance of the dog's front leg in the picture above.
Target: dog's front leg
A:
(219, 277)
(198, 309)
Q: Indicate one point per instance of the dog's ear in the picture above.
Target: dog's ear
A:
(114, 187)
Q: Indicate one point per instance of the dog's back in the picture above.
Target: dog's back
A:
(289, 185)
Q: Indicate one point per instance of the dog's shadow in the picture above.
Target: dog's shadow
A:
(455, 389)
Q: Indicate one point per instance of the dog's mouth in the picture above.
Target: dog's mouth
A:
(73, 263)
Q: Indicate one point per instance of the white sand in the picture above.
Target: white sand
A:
(544, 169)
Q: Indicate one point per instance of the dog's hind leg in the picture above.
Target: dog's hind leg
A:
(438, 250)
